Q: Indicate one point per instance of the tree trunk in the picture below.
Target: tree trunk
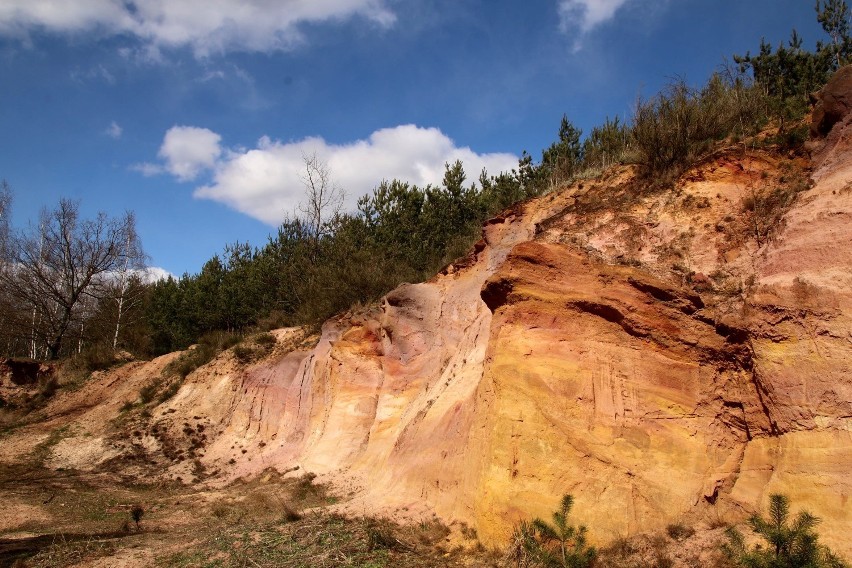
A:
(54, 346)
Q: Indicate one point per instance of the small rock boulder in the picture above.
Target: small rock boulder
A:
(832, 103)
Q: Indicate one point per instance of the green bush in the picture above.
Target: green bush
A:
(788, 75)
(265, 339)
(245, 353)
(561, 161)
(170, 390)
(675, 128)
(541, 544)
(149, 391)
(96, 357)
(208, 346)
(788, 544)
(764, 206)
(606, 145)
(667, 129)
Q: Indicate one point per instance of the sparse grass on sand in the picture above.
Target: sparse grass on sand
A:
(66, 518)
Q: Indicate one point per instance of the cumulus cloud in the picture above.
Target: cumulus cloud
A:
(148, 274)
(114, 130)
(265, 182)
(206, 26)
(188, 150)
(152, 274)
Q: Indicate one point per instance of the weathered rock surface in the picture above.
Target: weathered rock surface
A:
(574, 352)
(661, 356)
(833, 102)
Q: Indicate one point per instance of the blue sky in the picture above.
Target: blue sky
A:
(195, 114)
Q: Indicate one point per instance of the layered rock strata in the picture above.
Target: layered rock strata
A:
(660, 355)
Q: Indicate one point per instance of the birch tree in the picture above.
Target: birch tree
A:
(133, 257)
(5, 212)
(323, 198)
(53, 267)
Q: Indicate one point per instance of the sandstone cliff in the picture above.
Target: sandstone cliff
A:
(660, 355)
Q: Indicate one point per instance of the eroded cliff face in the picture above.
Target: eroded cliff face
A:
(800, 329)
(661, 355)
(665, 359)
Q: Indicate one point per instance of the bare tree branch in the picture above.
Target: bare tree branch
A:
(54, 269)
(323, 199)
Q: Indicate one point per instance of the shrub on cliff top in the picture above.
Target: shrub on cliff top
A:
(675, 128)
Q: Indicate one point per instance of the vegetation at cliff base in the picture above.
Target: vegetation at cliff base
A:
(559, 544)
(787, 543)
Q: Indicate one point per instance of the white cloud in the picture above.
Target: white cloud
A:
(587, 14)
(211, 75)
(208, 26)
(147, 169)
(148, 274)
(265, 182)
(114, 130)
(151, 274)
(582, 16)
(188, 150)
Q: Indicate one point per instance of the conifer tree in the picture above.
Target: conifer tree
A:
(557, 544)
(561, 161)
(788, 544)
(834, 17)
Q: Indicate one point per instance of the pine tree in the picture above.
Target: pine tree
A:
(834, 17)
(789, 545)
(789, 74)
(562, 160)
(558, 545)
